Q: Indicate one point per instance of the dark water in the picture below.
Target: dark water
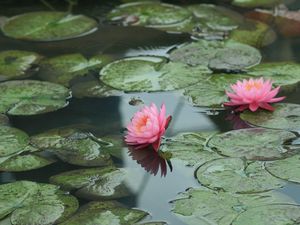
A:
(110, 115)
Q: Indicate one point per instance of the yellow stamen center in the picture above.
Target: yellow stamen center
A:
(142, 123)
(255, 84)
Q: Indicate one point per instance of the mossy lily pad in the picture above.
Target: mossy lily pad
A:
(151, 74)
(15, 64)
(106, 213)
(286, 116)
(30, 97)
(264, 144)
(48, 26)
(35, 204)
(62, 69)
(190, 148)
(75, 147)
(235, 175)
(202, 206)
(255, 3)
(94, 183)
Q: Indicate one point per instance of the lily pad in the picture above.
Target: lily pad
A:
(94, 183)
(276, 214)
(206, 207)
(15, 64)
(40, 204)
(211, 92)
(151, 14)
(62, 69)
(190, 148)
(30, 97)
(255, 3)
(4, 120)
(286, 169)
(264, 144)
(235, 175)
(48, 26)
(286, 116)
(151, 74)
(75, 147)
(106, 213)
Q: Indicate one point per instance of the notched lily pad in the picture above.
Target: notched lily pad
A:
(75, 147)
(17, 64)
(106, 213)
(264, 144)
(62, 69)
(237, 176)
(150, 74)
(95, 183)
(30, 97)
(48, 26)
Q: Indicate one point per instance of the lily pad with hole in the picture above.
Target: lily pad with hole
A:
(30, 97)
(237, 176)
(206, 207)
(264, 144)
(95, 183)
(36, 204)
(17, 64)
(286, 116)
(64, 68)
(190, 148)
(48, 26)
(150, 74)
(75, 147)
(106, 213)
(255, 3)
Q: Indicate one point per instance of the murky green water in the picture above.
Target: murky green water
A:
(110, 115)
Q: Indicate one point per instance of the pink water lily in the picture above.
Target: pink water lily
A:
(147, 127)
(253, 94)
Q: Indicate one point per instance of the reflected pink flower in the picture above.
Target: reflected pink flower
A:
(147, 127)
(253, 94)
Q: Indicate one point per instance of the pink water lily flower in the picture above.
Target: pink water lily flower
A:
(147, 127)
(253, 94)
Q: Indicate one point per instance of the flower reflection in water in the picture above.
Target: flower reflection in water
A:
(236, 121)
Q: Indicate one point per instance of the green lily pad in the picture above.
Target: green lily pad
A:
(224, 56)
(286, 116)
(30, 97)
(255, 3)
(264, 144)
(152, 223)
(235, 175)
(211, 92)
(75, 147)
(15, 64)
(206, 207)
(276, 214)
(48, 26)
(281, 73)
(62, 69)
(150, 14)
(151, 74)
(35, 204)
(286, 169)
(93, 89)
(190, 148)
(94, 183)
(105, 213)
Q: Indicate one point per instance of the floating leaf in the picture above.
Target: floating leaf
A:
(190, 148)
(255, 3)
(15, 64)
(105, 213)
(202, 206)
(4, 120)
(94, 183)
(264, 144)
(152, 223)
(31, 97)
(235, 175)
(286, 169)
(286, 116)
(75, 147)
(151, 74)
(62, 69)
(48, 26)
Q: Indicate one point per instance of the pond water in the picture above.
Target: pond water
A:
(109, 115)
